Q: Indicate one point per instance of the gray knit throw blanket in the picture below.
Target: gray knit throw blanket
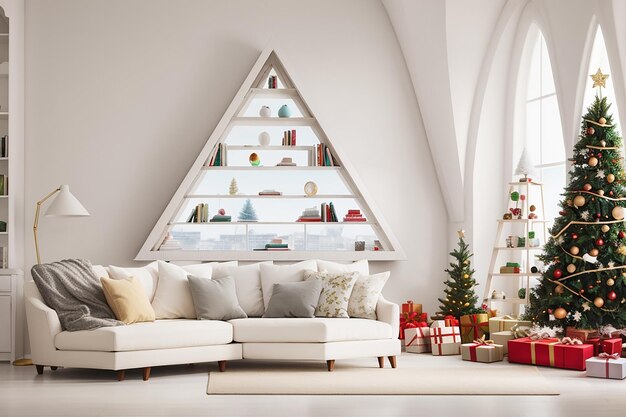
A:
(73, 290)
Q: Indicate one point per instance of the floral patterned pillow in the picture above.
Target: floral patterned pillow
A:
(336, 290)
(365, 295)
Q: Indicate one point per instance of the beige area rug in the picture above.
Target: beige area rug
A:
(520, 380)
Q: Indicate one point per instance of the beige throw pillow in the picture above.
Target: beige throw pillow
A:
(336, 290)
(127, 299)
(365, 293)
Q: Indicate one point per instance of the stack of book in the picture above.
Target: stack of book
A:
(217, 158)
(354, 215)
(310, 215)
(328, 212)
(169, 243)
(323, 156)
(272, 81)
(221, 218)
(286, 162)
(270, 192)
(199, 214)
(275, 245)
(4, 146)
(289, 137)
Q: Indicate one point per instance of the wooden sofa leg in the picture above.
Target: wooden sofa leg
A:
(221, 365)
(381, 361)
(54, 368)
(121, 374)
(392, 361)
(330, 364)
(39, 369)
(146, 373)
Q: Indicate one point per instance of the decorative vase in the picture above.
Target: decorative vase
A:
(264, 139)
(265, 111)
(284, 111)
(254, 159)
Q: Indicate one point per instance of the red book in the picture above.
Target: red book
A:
(293, 137)
(354, 211)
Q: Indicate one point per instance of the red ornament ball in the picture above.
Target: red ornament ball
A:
(598, 215)
(591, 131)
(557, 273)
(221, 212)
(611, 295)
(574, 236)
(610, 193)
(621, 234)
(549, 311)
(581, 291)
(599, 155)
(563, 212)
(590, 286)
(599, 242)
(587, 187)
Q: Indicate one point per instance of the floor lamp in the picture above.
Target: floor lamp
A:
(64, 205)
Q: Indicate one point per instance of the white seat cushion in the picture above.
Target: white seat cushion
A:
(305, 330)
(161, 334)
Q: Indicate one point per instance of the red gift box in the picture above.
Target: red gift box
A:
(549, 352)
(411, 321)
(609, 346)
(411, 307)
(451, 321)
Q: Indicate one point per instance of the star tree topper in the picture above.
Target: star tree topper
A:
(599, 79)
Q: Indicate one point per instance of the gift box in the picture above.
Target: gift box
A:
(411, 320)
(411, 307)
(482, 351)
(474, 326)
(611, 346)
(549, 352)
(606, 366)
(502, 338)
(444, 349)
(417, 339)
(500, 324)
(447, 321)
(581, 334)
(439, 335)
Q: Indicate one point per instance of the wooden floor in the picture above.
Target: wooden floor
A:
(181, 391)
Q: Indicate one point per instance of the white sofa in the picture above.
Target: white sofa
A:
(181, 341)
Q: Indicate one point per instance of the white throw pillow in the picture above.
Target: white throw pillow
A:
(172, 299)
(362, 267)
(336, 290)
(100, 271)
(248, 287)
(216, 269)
(147, 275)
(275, 274)
(365, 295)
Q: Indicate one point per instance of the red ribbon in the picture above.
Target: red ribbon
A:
(411, 321)
(419, 334)
(451, 321)
(437, 334)
(474, 325)
(608, 357)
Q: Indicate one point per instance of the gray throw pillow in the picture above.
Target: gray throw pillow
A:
(215, 299)
(294, 299)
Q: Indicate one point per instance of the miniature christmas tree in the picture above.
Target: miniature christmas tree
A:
(247, 213)
(460, 296)
(233, 189)
(525, 166)
(583, 284)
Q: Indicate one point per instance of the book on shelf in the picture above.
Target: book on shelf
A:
(289, 137)
(354, 215)
(217, 158)
(328, 212)
(221, 218)
(270, 192)
(286, 162)
(276, 245)
(324, 156)
(310, 214)
(4, 146)
(272, 81)
(199, 214)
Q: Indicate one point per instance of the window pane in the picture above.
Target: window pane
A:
(534, 82)
(533, 130)
(553, 179)
(552, 149)
(547, 81)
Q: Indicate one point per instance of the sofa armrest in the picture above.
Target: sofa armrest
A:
(389, 312)
(43, 325)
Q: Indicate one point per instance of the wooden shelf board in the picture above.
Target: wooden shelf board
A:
(521, 274)
(241, 196)
(273, 121)
(269, 168)
(273, 93)
(509, 300)
(268, 223)
(268, 148)
(538, 248)
(203, 255)
(525, 183)
(524, 221)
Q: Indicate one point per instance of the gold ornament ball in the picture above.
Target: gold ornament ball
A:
(594, 252)
(610, 178)
(466, 305)
(574, 250)
(560, 313)
(579, 201)
(559, 289)
(593, 161)
(602, 120)
(571, 268)
(618, 213)
(598, 302)
(466, 262)
(610, 282)
(532, 207)
(600, 192)
(466, 276)
(605, 228)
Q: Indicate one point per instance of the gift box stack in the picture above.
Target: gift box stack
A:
(445, 337)
(417, 339)
(542, 350)
(481, 350)
(502, 329)
(410, 315)
(474, 327)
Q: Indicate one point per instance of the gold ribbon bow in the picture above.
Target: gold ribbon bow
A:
(482, 341)
(539, 336)
(571, 341)
(509, 317)
(519, 331)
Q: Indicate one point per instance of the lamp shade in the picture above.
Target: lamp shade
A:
(66, 205)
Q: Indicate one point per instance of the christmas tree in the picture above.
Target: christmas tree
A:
(247, 213)
(460, 297)
(583, 284)
(233, 189)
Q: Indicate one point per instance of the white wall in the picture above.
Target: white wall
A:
(122, 95)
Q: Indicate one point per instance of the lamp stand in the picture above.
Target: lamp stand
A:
(39, 203)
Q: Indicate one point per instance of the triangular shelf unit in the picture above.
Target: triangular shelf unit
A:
(187, 230)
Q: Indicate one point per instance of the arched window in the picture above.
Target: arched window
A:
(539, 113)
(600, 59)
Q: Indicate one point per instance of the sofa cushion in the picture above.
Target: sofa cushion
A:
(172, 299)
(279, 274)
(294, 299)
(361, 266)
(313, 330)
(215, 299)
(336, 290)
(213, 269)
(161, 334)
(365, 294)
(127, 299)
(148, 276)
(248, 287)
